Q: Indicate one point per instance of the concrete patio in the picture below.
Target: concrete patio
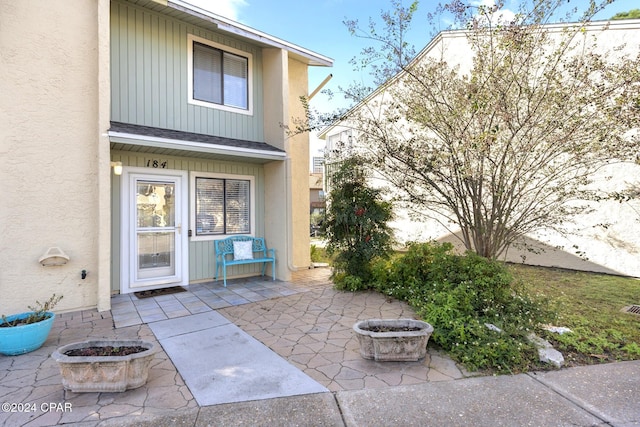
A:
(299, 330)
(282, 353)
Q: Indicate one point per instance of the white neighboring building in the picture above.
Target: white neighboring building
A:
(614, 249)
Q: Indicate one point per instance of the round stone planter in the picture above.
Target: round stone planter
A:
(22, 339)
(393, 340)
(104, 373)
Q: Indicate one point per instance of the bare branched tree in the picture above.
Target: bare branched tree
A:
(502, 137)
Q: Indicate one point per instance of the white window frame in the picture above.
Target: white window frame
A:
(190, 40)
(192, 203)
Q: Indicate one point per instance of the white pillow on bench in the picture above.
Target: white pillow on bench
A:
(242, 250)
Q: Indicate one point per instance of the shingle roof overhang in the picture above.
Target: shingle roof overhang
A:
(188, 143)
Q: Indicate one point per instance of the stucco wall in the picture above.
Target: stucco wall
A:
(282, 103)
(50, 135)
(274, 66)
(298, 150)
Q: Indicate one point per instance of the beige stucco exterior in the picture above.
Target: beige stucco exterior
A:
(55, 159)
(104, 157)
(289, 238)
(298, 149)
(274, 64)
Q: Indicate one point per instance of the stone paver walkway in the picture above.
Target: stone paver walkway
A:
(313, 331)
(32, 381)
(129, 310)
(305, 321)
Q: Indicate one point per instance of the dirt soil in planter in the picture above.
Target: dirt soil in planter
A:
(391, 329)
(106, 351)
(24, 321)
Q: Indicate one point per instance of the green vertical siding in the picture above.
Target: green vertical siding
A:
(201, 253)
(149, 76)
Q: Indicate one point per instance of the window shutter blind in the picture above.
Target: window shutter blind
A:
(207, 74)
(238, 207)
(235, 80)
(209, 206)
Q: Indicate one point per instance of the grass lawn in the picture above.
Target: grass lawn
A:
(591, 305)
(318, 252)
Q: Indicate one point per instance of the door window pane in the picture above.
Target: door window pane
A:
(156, 250)
(155, 204)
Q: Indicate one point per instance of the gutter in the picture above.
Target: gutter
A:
(246, 32)
(201, 147)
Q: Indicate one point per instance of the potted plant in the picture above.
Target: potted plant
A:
(104, 365)
(25, 332)
(393, 340)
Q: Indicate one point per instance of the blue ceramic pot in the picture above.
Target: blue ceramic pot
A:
(24, 338)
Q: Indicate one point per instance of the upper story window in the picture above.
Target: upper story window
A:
(340, 145)
(219, 76)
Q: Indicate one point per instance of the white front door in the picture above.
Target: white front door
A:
(154, 244)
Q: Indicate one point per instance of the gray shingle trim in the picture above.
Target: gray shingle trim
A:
(190, 136)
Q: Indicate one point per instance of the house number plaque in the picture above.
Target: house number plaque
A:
(155, 163)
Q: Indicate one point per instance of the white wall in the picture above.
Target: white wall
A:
(607, 239)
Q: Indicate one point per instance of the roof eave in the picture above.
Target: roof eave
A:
(175, 144)
(305, 55)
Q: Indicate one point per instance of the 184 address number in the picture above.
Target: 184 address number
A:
(158, 164)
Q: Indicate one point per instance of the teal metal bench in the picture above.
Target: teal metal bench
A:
(227, 255)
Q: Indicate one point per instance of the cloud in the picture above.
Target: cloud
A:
(500, 16)
(228, 8)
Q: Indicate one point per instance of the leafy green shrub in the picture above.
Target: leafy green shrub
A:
(459, 295)
(346, 282)
(356, 226)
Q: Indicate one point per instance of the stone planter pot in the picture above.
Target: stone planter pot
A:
(22, 339)
(104, 373)
(399, 340)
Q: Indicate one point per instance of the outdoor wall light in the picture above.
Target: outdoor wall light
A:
(53, 256)
(117, 168)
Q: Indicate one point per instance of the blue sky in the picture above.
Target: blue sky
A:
(318, 25)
